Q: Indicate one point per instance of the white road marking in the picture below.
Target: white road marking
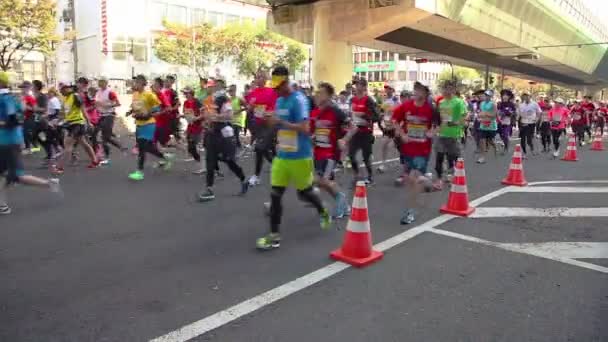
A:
(512, 248)
(488, 212)
(560, 189)
(573, 250)
(569, 182)
(246, 307)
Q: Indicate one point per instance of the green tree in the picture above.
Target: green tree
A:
(466, 78)
(25, 26)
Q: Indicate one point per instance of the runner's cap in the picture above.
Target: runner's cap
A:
(559, 100)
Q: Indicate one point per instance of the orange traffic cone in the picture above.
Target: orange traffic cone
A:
(458, 200)
(516, 170)
(357, 246)
(597, 144)
(570, 154)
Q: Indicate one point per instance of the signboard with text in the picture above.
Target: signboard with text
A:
(375, 66)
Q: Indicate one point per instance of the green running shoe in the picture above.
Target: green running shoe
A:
(325, 219)
(136, 176)
(268, 242)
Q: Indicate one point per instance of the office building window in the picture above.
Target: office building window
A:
(214, 18)
(121, 49)
(363, 57)
(157, 13)
(177, 14)
(198, 16)
(232, 19)
(402, 75)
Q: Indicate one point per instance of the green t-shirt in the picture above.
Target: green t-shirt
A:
(238, 119)
(201, 94)
(452, 111)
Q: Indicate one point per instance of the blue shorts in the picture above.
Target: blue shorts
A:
(11, 165)
(414, 163)
(145, 131)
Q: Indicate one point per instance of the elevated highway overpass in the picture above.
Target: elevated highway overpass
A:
(553, 41)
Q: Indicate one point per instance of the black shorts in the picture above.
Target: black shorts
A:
(174, 126)
(76, 131)
(324, 168)
(388, 132)
(11, 165)
(265, 137)
(488, 135)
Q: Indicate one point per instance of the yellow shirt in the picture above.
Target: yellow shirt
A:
(73, 111)
(144, 102)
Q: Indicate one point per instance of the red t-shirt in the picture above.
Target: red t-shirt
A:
(578, 116)
(29, 100)
(162, 120)
(363, 105)
(415, 122)
(326, 126)
(173, 100)
(602, 114)
(263, 99)
(192, 107)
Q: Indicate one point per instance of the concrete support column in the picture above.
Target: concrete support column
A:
(332, 60)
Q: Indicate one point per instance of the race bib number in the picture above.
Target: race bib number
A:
(322, 137)
(576, 117)
(287, 140)
(259, 111)
(506, 120)
(359, 121)
(417, 132)
(227, 132)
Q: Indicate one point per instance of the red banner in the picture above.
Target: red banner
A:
(104, 27)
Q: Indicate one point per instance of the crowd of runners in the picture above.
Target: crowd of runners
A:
(305, 135)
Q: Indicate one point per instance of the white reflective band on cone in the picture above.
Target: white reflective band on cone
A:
(571, 148)
(516, 166)
(358, 227)
(459, 173)
(459, 188)
(359, 203)
(517, 154)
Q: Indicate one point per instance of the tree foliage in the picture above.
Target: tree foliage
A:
(25, 26)
(249, 46)
(466, 79)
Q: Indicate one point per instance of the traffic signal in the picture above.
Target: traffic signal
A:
(421, 60)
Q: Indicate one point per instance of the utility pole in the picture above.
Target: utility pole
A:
(487, 78)
(72, 8)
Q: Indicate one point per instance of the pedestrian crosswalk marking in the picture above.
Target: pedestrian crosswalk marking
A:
(489, 212)
(560, 189)
(573, 250)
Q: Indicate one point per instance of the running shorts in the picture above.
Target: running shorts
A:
(324, 168)
(11, 165)
(298, 172)
(162, 135)
(449, 146)
(76, 130)
(417, 163)
(488, 135)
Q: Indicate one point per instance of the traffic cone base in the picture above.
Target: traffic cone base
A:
(464, 212)
(515, 176)
(598, 144)
(357, 248)
(508, 181)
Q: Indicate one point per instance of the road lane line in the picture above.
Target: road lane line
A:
(511, 248)
(559, 189)
(246, 307)
(508, 212)
(572, 250)
(569, 182)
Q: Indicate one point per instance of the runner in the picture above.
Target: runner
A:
(506, 115)
(364, 112)
(293, 164)
(453, 113)
(416, 123)
(106, 102)
(11, 138)
(145, 106)
(75, 123)
(220, 142)
(487, 125)
(578, 121)
(390, 102)
(602, 117)
(558, 117)
(41, 127)
(201, 92)
(192, 113)
(240, 114)
(162, 132)
(28, 102)
(544, 126)
(326, 124)
(173, 113)
(262, 100)
(589, 110)
(529, 114)
(89, 110)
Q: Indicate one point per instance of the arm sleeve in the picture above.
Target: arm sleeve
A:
(340, 115)
(372, 108)
(301, 109)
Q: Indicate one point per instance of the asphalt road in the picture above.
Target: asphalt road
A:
(121, 261)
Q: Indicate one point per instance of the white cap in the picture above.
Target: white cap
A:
(559, 100)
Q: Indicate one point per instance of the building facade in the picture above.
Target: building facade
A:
(399, 71)
(115, 37)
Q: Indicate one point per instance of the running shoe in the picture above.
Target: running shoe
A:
(244, 187)
(408, 217)
(136, 176)
(93, 165)
(268, 242)
(381, 168)
(26, 152)
(5, 209)
(165, 164)
(556, 154)
(481, 160)
(54, 186)
(35, 149)
(206, 196)
(369, 181)
(105, 162)
(399, 181)
(56, 170)
(341, 206)
(199, 171)
(254, 180)
(325, 219)
(219, 174)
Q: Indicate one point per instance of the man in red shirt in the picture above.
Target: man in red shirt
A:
(416, 121)
(364, 110)
(162, 134)
(578, 116)
(173, 111)
(326, 123)
(262, 100)
(194, 131)
(589, 110)
(602, 116)
(29, 124)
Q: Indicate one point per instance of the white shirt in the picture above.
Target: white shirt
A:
(53, 105)
(529, 112)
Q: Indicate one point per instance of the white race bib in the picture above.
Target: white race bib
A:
(259, 111)
(287, 140)
(322, 137)
(416, 132)
(227, 132)
(506, 120)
